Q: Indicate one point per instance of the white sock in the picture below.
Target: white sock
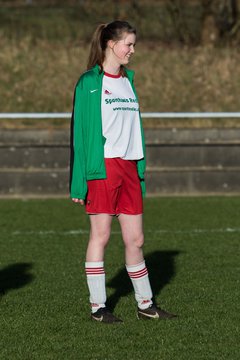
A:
(96, 284)
(139, 276)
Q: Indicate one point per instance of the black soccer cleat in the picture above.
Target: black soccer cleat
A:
(154, 312)
(105, 316)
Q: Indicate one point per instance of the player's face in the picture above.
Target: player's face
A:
(124, 48)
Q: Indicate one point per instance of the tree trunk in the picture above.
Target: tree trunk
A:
(209, 33)
(220, 18)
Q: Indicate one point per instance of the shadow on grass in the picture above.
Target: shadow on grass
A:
(15, 276)
(161, 269)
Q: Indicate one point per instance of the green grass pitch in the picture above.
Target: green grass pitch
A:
(192, 253)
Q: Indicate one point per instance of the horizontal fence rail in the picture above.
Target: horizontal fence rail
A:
(149, 115)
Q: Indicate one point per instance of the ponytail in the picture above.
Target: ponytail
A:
(96, 55)
(104, 33)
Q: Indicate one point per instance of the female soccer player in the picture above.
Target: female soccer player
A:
(108, 165)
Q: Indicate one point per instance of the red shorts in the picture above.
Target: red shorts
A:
(119, 193)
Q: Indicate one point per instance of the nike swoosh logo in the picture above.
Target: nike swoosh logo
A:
(98, 318)
(92, 91)
(152, 316)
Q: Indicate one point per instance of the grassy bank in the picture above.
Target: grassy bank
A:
(44, 50)
(41, 77)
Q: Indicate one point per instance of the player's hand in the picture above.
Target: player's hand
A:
(78, 201)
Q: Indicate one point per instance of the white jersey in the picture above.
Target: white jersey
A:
(120, 119)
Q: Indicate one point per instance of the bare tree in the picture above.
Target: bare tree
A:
(176, 10)
(227, 16)
(220, 19)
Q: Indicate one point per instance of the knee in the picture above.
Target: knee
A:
(139, 241)
(100, 238)
(136, 242)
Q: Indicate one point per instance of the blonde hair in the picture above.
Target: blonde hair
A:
(103, 33)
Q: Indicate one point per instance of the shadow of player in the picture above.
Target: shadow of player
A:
(15, 276)
(161, 269)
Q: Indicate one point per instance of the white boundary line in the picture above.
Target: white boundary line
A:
(153, 115)
(157, 231)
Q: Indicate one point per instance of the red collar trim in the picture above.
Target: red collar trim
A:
(112, 76)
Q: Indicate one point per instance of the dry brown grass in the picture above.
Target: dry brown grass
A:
(182, 79)
(41, 77)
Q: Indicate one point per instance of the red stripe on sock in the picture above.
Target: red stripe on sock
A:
(138, 274)
(95, 271)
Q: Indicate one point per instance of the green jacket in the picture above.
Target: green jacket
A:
(87, 141)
